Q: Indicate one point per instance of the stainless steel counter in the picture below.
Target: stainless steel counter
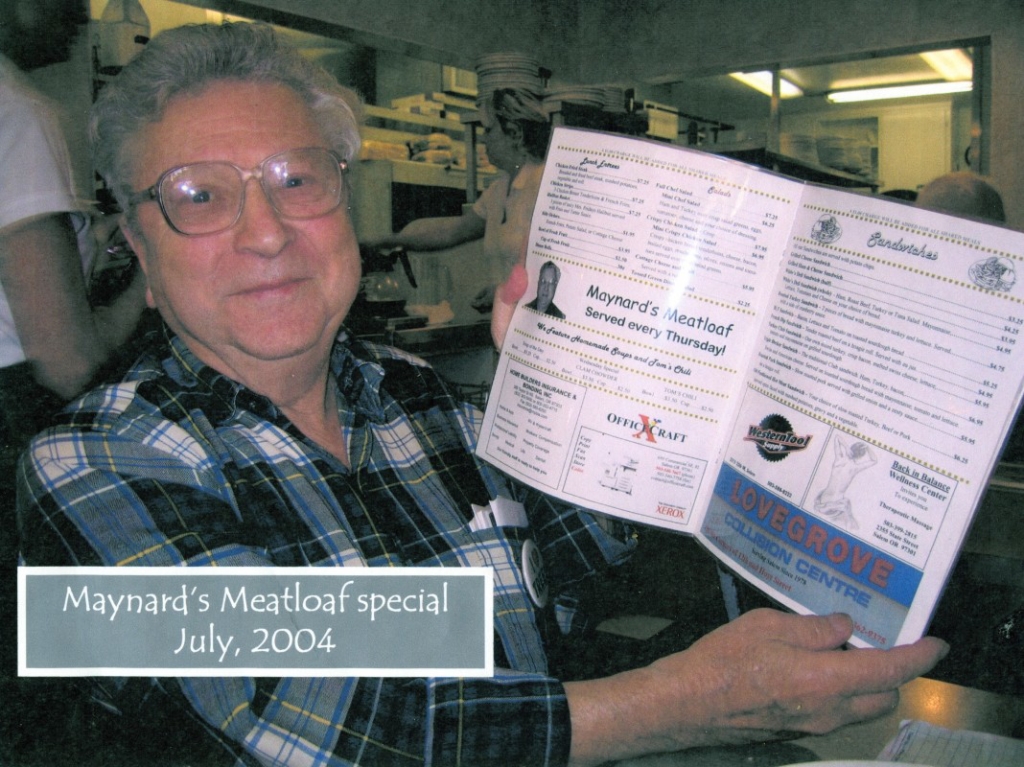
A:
(461, 352)
(434, 340)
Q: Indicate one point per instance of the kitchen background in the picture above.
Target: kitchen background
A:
(672, 54)
(413, 64)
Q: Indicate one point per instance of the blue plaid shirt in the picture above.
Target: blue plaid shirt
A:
(180, 465)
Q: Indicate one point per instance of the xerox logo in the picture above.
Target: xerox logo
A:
(646, 428)
(775, 438)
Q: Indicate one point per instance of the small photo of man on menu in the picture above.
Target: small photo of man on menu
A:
(547, 283)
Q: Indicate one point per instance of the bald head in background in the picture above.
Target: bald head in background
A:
(962, 194)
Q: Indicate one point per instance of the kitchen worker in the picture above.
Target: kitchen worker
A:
(47, 327)
(516, 133)
(257, 432)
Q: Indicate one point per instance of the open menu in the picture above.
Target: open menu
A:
(815, 383)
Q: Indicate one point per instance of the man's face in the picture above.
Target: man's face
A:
(268, 288)
(546, 288)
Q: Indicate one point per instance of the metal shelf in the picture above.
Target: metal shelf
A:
(448, 124)
(757, 153)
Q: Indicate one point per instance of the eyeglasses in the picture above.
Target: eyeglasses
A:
(207, 197)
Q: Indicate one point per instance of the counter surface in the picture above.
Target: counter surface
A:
(939, 703)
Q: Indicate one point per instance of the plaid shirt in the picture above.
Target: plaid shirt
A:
(180, 465)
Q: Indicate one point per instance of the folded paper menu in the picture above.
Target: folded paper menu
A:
(815, 383)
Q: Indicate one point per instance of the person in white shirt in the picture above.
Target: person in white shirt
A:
(46, 247)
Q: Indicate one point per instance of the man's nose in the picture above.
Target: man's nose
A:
(260, 227)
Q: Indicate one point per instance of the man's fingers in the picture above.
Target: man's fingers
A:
(864, 707)
(871, 671)
(854, 672)
(813, 717)
(808, 632)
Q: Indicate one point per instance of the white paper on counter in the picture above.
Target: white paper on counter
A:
(923, 743)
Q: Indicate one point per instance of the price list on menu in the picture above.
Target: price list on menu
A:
(664, 265)
(663, 275)
(696, 232)
(911, 337)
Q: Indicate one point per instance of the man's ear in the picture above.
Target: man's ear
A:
(515, 132)
(137, 243)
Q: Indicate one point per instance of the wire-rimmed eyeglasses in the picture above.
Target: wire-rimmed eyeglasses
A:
(208, 197)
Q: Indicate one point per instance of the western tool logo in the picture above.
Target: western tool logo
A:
(775, 439)
(647, 429)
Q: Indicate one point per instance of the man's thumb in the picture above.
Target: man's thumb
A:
(505, 299)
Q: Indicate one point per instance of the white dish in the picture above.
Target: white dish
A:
(854, 763)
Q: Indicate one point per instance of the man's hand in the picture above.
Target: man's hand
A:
(506, 297)
(765, 675)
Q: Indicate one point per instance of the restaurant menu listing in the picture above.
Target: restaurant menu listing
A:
(816, 383)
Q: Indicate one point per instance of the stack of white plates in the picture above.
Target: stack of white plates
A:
(614, 99)
(585, 95)
(800, 146)
(507, 70)
(844, 154)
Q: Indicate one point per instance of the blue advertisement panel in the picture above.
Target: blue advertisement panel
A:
(809, 562)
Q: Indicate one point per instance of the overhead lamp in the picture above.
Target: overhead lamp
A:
(951, 64)
(899, 92)
(762, 82)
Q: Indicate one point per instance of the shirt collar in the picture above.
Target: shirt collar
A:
(356, 372)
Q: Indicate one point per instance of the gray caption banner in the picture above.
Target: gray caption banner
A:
(255, 621)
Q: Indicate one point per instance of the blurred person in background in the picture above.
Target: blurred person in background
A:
(966, 194)
(963, 193)
(516, 133)
(49, 333)
(52, 342)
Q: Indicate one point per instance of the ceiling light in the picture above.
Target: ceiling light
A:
(951, 64)
(876, 80)
(762, 82)
(899, 92)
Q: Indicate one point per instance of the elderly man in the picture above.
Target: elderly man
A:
(257, 432)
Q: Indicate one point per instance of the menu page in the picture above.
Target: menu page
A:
(816, 383)
(881, 392)
(650, 272)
